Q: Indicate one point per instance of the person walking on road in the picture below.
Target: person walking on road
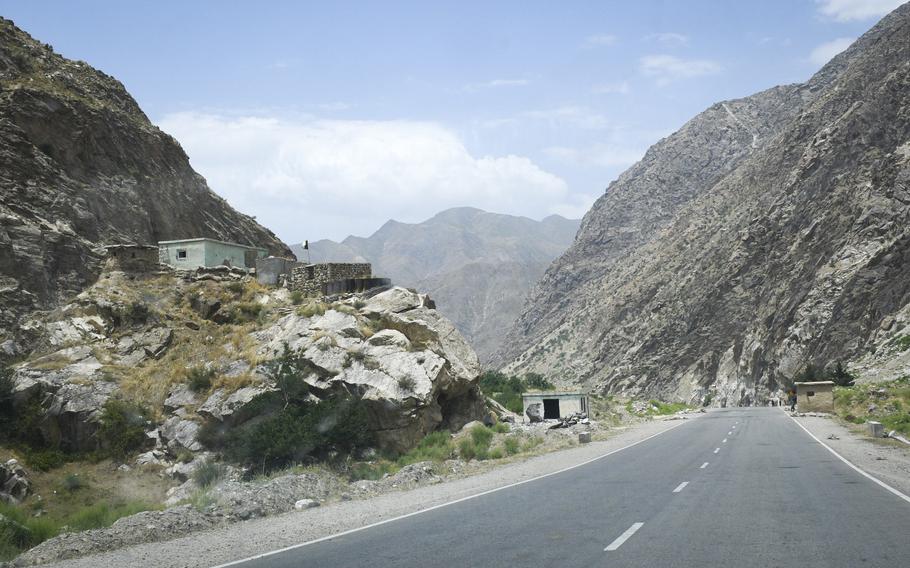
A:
(792, 400)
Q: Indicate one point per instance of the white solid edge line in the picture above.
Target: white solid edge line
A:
(624, 537)
(704, 465)
(716, 450)
(441, 505)
(680, 487)
(848, 462)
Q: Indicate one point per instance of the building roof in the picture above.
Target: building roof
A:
(129, 246)
(198, 239)
(554, 393)
(816, 383)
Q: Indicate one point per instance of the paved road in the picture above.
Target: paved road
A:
(769, 496)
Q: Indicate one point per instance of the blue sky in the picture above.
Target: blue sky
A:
(325, 119)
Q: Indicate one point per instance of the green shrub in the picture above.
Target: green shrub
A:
(122, 428)
(407, 383)
(20, 531)
(496, 454)
(501, 428)
(481, 435)
(102, 515)
(311, 309)
(44, 460)
(902, 342)
(511, 445)
(235, 288)
(537, 381)
(73, 483)
(184, 456)
(296, 297)
(532, 443)
(466, 449)
(371, 470)
(199, 378)
(841, 376)
(435, 446)
(207, 474)
(245, 312)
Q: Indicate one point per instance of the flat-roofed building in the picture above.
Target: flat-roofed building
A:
(203, 252)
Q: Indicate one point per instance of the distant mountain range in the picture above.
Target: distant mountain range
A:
(478, 266)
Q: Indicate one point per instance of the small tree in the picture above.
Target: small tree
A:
(841, 376)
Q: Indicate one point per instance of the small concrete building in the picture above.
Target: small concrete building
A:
(557, 404)
(273, 270)
(131, 258)
(817, 396)
(191, 254)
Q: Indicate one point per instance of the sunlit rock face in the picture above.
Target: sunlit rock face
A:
(767, 233)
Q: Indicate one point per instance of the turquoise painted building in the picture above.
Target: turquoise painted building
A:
(203, 252)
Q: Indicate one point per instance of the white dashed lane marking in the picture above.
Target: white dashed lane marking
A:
(623, 537)
(725, 441)
(716, 450)
(704, 465)
(680, 487)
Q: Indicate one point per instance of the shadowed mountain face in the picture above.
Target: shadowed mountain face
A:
(82, 166)
(478, 266)
(767, 233)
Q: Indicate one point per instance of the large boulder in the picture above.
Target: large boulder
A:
(534, 412)
(14, 483)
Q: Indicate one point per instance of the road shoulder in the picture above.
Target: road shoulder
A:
(250, 538)
(887, 461)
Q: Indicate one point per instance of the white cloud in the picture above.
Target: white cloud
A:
(600, 40)
(333, 106)
(496, 83)
(667, 68)
(308, 178)
(614, 156)
(620, 87)
(669, 39)
(824, 52)
(849, 10)
(569, 115)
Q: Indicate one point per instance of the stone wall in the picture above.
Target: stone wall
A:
(131, 258)
(310, 279)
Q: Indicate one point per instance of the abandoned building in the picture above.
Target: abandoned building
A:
(275, 270)
(557, 405)
(203, 252)
(131, 258)
(334, 278)
(817, 396)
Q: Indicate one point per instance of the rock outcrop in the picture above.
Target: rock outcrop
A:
(393, 351)
(768, 233)
(478, 266)
(82, 166)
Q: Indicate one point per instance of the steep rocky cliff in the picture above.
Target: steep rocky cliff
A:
(768, 233)
(82, 166)
(477, 266)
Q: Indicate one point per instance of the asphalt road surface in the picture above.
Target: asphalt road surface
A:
(734, 488)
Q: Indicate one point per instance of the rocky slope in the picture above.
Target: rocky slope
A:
(82, 166)
(768, 233)
(197, 352)
(477, 266)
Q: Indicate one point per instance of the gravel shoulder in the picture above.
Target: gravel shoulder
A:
(249, 538)
(886, 460)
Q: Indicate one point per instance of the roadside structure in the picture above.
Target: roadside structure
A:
(190, 254)
(816, 396)
(557, 404)
(131, 257)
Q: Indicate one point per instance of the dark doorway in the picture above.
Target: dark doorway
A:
(550, 408)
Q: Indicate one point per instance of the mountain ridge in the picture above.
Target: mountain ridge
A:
(725, 288)
(477, 265)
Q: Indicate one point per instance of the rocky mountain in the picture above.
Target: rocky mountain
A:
(477, 266)
(768, 233)
(82, 166)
